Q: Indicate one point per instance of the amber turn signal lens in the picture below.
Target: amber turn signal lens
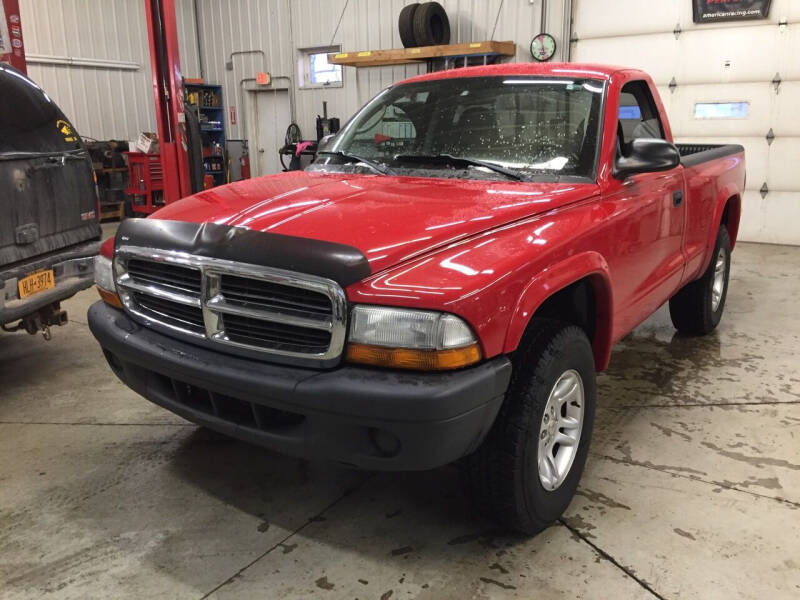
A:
(407, 358)
(110, 298)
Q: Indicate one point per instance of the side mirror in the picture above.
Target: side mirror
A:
(647, 155)
(325, 142)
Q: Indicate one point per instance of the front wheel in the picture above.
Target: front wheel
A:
(697, 308)
(526, 472)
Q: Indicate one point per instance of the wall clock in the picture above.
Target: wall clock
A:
(543, 47)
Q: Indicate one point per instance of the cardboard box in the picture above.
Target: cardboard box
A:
(147, 143)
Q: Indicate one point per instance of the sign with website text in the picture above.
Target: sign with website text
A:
(709, 11)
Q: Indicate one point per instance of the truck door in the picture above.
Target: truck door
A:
(649, 266)
(48, 200)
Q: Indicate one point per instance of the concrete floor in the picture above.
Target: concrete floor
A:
(692, 489)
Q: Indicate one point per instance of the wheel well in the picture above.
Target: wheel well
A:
(575, 304)
(730, 217)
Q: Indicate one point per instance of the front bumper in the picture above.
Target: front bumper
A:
(73, 270)
(356, 416)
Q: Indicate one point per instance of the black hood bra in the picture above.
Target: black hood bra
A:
(343, 264)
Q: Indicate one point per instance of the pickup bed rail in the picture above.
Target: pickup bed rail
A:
(694, 154)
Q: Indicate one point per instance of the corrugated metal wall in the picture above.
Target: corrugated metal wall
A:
(113, 103)
(280, 27)
(103, 103)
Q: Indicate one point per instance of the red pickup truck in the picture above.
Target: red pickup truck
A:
(441, 284)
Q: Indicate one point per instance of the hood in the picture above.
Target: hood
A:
(389, 219)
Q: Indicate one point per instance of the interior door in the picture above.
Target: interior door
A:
(268, 130)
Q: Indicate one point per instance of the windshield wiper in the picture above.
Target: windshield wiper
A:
(462, 160)
(355, 158)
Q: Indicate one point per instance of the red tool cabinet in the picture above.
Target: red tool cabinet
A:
(145, 182)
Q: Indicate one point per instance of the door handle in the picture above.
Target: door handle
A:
(677, 198)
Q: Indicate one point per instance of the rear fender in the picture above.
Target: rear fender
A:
(727, 196)
(586, 265)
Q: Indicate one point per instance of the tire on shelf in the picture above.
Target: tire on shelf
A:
(431, 25)
(405, 25)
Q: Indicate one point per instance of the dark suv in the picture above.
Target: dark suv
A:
(49, 222)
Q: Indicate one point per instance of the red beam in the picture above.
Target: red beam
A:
(12, 48)
(168, 94)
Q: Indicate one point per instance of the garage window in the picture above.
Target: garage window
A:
(721, 110)
(314, 70)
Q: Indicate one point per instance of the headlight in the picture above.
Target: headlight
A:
(104, 279)
(410, 339)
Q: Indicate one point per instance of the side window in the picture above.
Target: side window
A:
(638, 116)
(393, 130)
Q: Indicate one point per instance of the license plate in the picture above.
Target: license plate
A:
(36, 282)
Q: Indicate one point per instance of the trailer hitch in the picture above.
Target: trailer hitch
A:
(41, 321)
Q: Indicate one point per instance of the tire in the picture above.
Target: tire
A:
(431, 25)
(406, 25)
(503, 475)
(693, 309)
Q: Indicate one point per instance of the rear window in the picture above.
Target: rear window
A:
(29, 120)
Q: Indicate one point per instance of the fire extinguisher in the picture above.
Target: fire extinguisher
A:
(244, 162)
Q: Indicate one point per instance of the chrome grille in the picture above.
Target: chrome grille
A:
(182, 280)
(269, 296)
(283, 337)
(251, 310)
(177, 315)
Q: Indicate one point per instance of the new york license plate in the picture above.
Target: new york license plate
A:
(36, 282)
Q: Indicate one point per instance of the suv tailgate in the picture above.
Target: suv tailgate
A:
(49, 200)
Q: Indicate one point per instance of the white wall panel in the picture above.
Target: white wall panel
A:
(187, 38)
(771, 220)
(261, 26)
(760, 97)
(755, 53)
(720, 62)
(649, 52)
(603, 19)
(782, 170)
(785, 108)
(103, 103)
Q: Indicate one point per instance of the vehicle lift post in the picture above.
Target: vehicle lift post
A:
(14, 52)
(168, 93)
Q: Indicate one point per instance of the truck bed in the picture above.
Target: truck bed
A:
(694, 154)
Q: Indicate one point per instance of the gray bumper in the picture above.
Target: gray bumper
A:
(73, 270)
(334, 415)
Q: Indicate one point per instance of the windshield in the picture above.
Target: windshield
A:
(540, 127)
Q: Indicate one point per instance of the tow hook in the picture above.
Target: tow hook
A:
(46, 333)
